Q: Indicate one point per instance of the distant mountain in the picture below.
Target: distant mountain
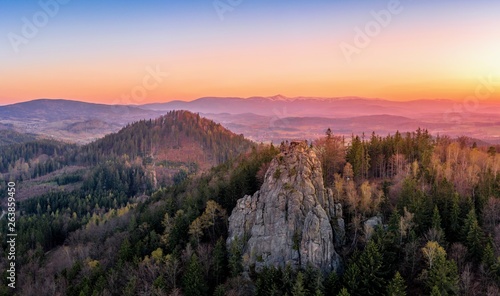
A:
(264, 119)
(48, 110)
(71, 120)
(281, 106)
(278, 117)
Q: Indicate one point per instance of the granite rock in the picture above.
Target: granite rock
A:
(292, 220)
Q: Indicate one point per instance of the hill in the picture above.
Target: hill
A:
(178, 142)
(50, 110)
(144, 154)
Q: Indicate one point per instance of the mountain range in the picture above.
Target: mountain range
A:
(263, 119)
(70, 120)
(324, 107)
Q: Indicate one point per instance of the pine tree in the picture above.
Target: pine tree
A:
(220, 262)
(193, 281)
(370, 264)
(473, 235)
(313, 279)
(125, 253)
(435, 291)
(298, 288)
(454, 217)
(436, 219)
(343, 292)
(235, 266)
(365, 274)
(488, 255)
(352, 275)
(268, 281)
(397, 286)
(491, 263)
(288, 278)
(332, 284)
(440, 273)
(359, 158)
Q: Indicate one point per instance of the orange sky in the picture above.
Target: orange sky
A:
(419, 55)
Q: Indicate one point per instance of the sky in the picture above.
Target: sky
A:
(136, 52)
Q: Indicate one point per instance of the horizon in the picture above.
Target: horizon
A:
(287, 98)
(393, 50)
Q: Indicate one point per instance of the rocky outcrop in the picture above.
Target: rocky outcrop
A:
(371, 225)
(292, 219)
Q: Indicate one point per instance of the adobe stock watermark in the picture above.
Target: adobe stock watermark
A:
(485, 88)
(31, 26)
(364, 35)
(224, 6)
(153, 78)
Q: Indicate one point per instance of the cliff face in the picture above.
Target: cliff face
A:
(292, 219)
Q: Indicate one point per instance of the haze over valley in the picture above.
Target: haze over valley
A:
(262, 119)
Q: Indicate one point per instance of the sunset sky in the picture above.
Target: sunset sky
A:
(103, 51)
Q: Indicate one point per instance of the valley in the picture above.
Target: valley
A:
(181, 204)
(261, 119)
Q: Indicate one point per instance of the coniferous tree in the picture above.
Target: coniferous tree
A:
(397, 286)
(352, 275)
(436, 219)
(193, 281)
(440, 272)
(359, 158)
(298, 288)
(365, 275)
(455, 217)
(435, 291)
(473, 235)
(343, 292)
(332, 284)
(372, 274)
(220, 261)
(235, 266)
(491, 263)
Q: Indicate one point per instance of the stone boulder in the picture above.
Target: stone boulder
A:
(370, 226)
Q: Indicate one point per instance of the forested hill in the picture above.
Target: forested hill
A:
(178, 136)
(163, 151)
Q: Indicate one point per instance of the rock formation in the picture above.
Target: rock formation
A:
(371, 225)
(292, 219)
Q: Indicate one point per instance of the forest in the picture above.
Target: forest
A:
(119, 233)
